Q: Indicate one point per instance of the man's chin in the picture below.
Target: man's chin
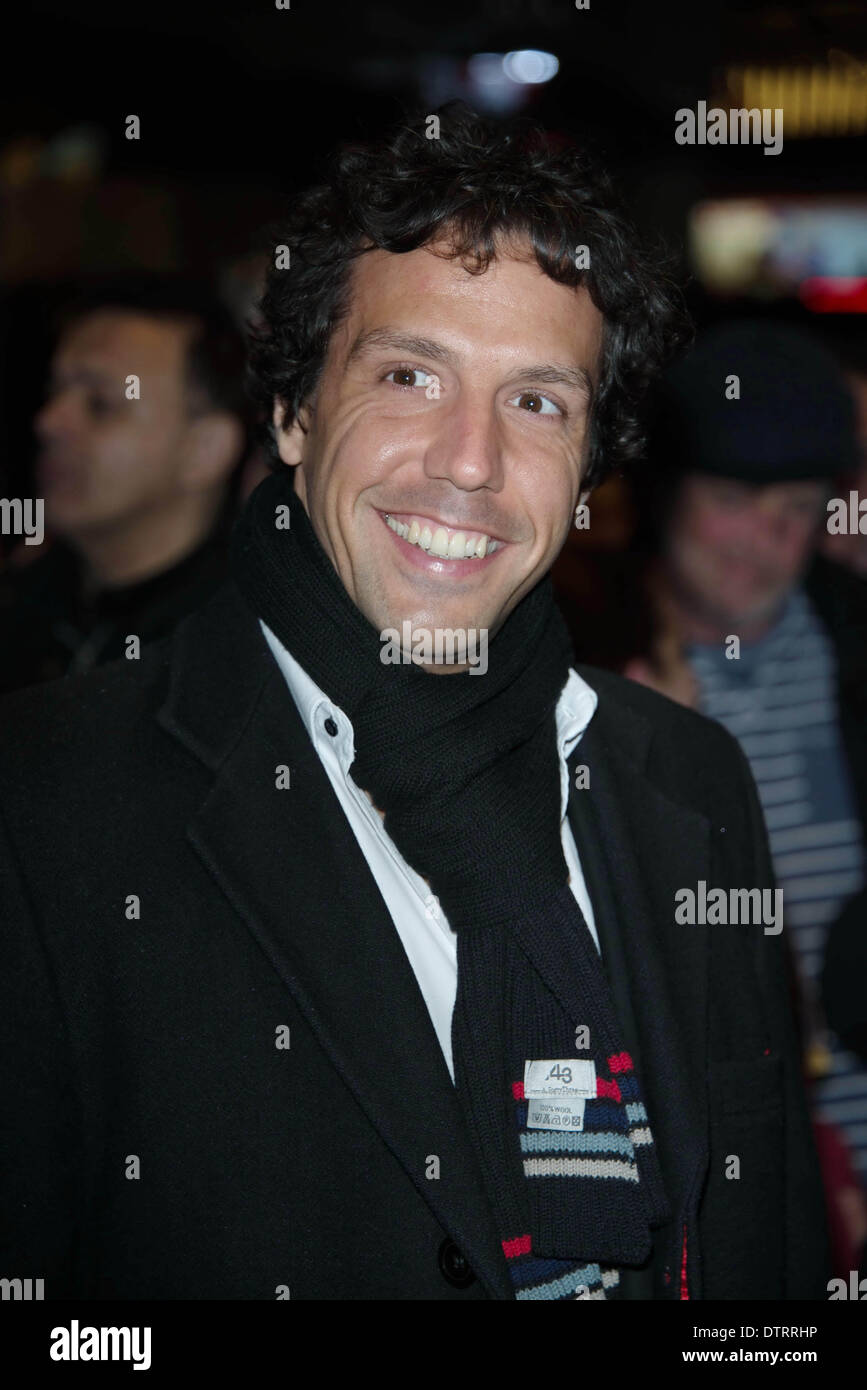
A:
(753, 612)
(433, 640)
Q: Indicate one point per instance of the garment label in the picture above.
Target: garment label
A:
(568, 1078)
(556, 1114)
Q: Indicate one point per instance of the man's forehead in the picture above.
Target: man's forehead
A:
(756, 490)
(98, 336)
(435, 267)
(391, 293)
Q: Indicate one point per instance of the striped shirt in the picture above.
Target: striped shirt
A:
(779, 699)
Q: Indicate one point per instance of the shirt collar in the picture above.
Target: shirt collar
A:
(575, 707)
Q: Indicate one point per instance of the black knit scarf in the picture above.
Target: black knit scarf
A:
(466, 770)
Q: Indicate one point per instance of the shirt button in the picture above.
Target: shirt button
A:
(454, 1266)
(432, 905)
(330, 727)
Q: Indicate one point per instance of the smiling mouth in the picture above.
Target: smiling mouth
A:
(443, 542)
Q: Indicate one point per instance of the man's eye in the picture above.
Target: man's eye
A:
(536, 404)
(410, 372)
(732, 498)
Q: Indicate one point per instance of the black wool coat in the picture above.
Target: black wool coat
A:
(167, 913)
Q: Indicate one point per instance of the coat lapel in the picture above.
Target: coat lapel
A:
(639, 847)
(289, 863)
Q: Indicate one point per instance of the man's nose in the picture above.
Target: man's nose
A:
(467, 446)
(56, 419)
(771, 525)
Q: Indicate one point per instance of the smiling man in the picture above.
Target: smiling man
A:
(466, 442)
(362, 979)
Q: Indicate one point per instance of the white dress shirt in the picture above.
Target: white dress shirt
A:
(429, 942)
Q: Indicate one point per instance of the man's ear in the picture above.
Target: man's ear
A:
(290, 442)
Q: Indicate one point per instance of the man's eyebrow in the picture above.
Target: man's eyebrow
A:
(408, 343)
(98, 376)
(552, 374)
(546, 373)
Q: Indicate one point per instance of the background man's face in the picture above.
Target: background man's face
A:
(104, 458)
(851, 548)
(477, 426)
(734, 550)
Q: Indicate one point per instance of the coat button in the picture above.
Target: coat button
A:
(454, 1267)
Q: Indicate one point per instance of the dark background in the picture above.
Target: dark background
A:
(239, 103)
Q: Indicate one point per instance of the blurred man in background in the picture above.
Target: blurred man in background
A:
(849, 547)
(142, 438)
(630, 627)
(753, 425)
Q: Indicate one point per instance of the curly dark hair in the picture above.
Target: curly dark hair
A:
(477, 183)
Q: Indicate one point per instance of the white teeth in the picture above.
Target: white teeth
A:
(437, 542)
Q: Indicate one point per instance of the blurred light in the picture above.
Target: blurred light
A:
(815, 101)
(486, 69)
(729, 241)
(76, 154)
(530, 65)
(815, 247)
(488, 87)
(835, 294)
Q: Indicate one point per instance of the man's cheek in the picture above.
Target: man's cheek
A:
(795, 560)
(710, 543)
(720, 531)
